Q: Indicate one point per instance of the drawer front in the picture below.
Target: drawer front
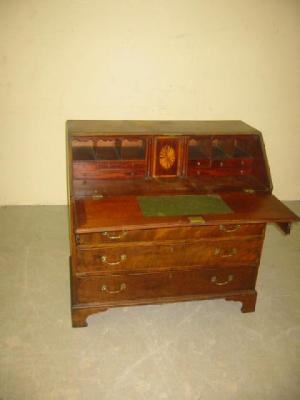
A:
(121, 173)
(197, 171)
(233, 163)
(155, 285)
(184, 233)
(199, 163)
(221, 171)
(168, 256)
(196, 167)
(108, 169)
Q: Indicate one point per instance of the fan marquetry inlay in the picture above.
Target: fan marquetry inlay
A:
(167, 156)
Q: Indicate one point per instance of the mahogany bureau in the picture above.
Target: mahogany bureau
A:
(165, 211)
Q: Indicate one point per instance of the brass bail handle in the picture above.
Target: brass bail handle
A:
(123, 287)
(123, 257)
(229, 228)
(225, 252)
(114, 235)
(222, 283)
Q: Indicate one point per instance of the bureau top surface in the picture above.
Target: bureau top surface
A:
(126, 127)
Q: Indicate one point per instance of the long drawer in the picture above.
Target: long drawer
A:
(182, 233)
(116, 288)
(127, 258)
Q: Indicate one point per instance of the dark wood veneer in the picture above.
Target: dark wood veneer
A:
(120, 257)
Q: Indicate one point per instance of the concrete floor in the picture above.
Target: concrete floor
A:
(186, 351)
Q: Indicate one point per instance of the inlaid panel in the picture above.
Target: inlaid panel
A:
(167, 157)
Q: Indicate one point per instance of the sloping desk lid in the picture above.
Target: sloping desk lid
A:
(124, 213)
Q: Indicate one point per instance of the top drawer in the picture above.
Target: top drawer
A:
(162, 234)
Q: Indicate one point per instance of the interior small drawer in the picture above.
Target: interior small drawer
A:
(205, 163)
(233, 163)
(162, 234)
(168, 284)
(169, 256)
(226, 171)
(121, 173)
(108, 169)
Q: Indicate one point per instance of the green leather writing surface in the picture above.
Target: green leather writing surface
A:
(167, 206)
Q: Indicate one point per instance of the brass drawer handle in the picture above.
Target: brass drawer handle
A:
(225, 228)
(113, 235)
(123, 257)
(222, 283)
(225, 252)
(104, 288)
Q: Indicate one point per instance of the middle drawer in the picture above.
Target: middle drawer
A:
(145, 256)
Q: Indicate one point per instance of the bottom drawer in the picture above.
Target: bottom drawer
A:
(168, 284)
